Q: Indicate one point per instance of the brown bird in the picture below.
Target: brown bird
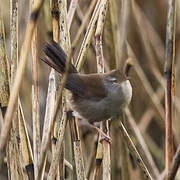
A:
(95, 97)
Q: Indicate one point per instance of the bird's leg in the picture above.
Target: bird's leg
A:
(103, 135)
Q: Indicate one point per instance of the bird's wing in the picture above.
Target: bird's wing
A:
(86, 86)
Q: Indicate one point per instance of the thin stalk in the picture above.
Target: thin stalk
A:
(25, 145)
(140, 140)
(88, 37)
(4, 79)
(35, 106)
(54, 164)
(15, 166)
(169, 73)
(84, 22)
(78, 157)
(76, 144)
(99, 156)
(175, 165)
(71, 12)
(91, 159)
(100, 68)
(134, 152)
(48, 122)
(55, 23)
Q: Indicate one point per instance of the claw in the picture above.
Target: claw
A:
(105, 138)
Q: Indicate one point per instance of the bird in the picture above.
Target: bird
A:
(94, 97)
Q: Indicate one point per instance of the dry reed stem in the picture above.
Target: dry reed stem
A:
(162, 82)
(106, 153)
(35, 106)
(175, 165)
(50, 100)
(15, 165)
(54, 164)
(77, 150)
(80, 172)
(134, 152)
(25, 145)
(48, 122)
(4, 81)
(55, 19)
(84, 23)
(168, 72)
(55, 24)
(142, 143)
(19, 74)
(73, 136)
(56, 157)
(65, 43)
(47, 17)
(76, 144)
(121, 54)
(15, 168)
(91, 158)
(99, 156)
(71, 12)
(14, 56)
(100, 68)
(14, 38)
(88, 37)
(64, 36)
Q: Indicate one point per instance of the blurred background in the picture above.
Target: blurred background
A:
(145, 32)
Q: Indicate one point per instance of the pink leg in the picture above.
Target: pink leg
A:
(103, 135)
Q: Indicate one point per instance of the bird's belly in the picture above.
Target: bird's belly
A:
(110, 106)
(92, 111)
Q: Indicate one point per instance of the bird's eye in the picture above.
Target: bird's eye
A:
(113, 79)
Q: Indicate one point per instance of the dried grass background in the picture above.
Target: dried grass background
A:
(142, 38)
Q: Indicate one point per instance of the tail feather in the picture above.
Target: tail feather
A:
(57, 58)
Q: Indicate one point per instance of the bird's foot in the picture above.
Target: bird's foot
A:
(105, 138)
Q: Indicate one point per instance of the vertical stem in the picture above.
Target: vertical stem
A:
(48, 121)
(55, 24)
(71, 12)
(35, 105)
(99, 156)
(175, 165)
(168, 69)
(100, 67)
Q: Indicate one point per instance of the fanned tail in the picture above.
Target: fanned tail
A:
(57, 58)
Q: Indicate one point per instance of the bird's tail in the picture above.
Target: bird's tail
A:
(57, 58)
